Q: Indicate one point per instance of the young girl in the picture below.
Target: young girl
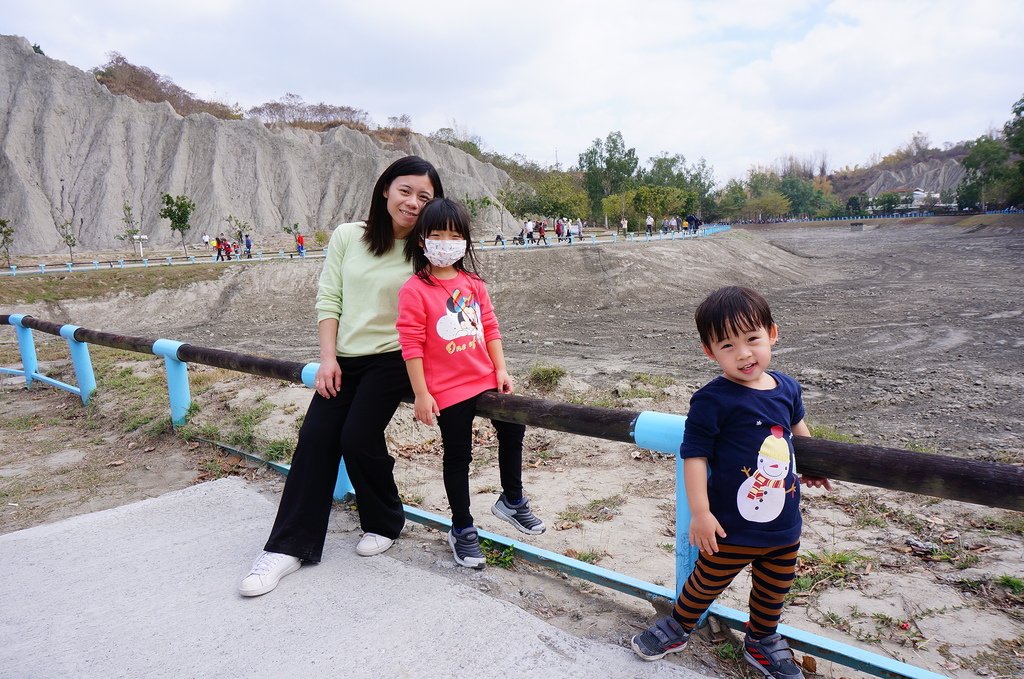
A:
(452, 351)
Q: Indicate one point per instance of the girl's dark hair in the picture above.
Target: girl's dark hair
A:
(379, 234)
(441, 214)
(731, 310)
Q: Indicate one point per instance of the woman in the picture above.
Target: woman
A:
(360, 382)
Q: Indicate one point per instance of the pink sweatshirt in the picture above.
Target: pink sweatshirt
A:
(448, 325)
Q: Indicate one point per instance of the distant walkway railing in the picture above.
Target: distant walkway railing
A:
(260, 256)
(985, 483)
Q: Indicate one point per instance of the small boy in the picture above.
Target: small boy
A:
(740, 425)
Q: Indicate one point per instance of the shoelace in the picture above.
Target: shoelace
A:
(266, 563)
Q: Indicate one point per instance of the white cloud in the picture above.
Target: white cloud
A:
(738, 83)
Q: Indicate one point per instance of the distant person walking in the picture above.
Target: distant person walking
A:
(300, 244)
(248, 247)
(359, 384)
(649, 224)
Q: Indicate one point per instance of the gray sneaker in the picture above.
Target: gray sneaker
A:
(520, 516)
(466, 548)
(663, 637)
(771, 656)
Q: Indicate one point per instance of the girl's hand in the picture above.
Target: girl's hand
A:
(328, 378)
(816, 482)
(504, 382)
(703, 529)
(426, 409)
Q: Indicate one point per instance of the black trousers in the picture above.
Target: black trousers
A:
(456, 423)
(351, 423)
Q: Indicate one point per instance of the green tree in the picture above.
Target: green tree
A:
(66, 231)
(803, 198)
(986, 164)
(239, 227)
(732, 200)
(768, 205)
(887, 202)
(559, 195)
(608, 167)
(476, 206)
(6, 239)
(761, 180)
(517, 198)
(179, 210)
(130, 229)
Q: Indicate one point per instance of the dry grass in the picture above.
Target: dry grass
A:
(102, 282)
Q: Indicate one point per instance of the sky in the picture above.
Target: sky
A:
(736, 83)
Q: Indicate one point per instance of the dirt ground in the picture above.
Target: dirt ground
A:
(904, 335)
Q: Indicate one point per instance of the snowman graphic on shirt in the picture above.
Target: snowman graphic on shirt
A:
(762, 496)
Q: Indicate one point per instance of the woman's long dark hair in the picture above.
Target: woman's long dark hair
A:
(441, 214)
(379, 234)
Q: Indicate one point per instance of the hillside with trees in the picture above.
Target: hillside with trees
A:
(609, 180)
(84, 161)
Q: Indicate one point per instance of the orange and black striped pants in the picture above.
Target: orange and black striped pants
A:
(773, 570)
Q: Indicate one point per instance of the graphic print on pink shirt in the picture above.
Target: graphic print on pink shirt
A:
(461, 318)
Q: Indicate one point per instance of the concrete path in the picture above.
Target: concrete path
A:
(149, 590)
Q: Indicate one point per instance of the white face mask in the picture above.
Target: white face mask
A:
(444, 252)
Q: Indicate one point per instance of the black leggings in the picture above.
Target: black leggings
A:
(456, 423)
(352, 423)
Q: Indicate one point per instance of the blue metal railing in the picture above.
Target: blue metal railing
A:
(660, 432)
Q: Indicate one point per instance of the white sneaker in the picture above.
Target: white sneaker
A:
(372, 544)
(267, 571)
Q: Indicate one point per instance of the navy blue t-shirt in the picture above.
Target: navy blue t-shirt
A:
(746, 435)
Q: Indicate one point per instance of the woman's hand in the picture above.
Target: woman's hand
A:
(426, 408)
(704, 528)
(328, 378)
(504, 382)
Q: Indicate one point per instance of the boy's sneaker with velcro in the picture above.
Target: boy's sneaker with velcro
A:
(466, 548)
(520, 515)
(771, 656)
(663, 637)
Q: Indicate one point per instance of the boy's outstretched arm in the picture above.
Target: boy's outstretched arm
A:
(801, 429)
(704, 527)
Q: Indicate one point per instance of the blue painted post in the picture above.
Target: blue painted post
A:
(81, 361)
(42, 268)
(145, 261)
(259, 255)
(95, 264)
(664, 432)
(169, 262)
(615, 237)
(27, 347)
(191, 259)
(14, 270)
(120, 263)
(69, 265)
(593, 238)
(343, 486)
(280, 253)
(177, 379)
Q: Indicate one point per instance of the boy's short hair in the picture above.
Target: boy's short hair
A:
(731, 310)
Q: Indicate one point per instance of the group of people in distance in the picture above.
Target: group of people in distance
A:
(225, 248)
(402, 311)
(536, 231)
(674, 224)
